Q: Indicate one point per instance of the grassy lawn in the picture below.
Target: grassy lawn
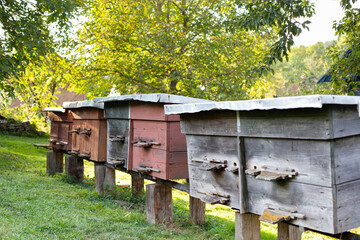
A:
(36, 206)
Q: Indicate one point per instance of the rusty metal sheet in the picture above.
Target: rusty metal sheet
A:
(153, 97)
(310, 101)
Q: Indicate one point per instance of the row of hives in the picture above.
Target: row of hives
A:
(292, 159)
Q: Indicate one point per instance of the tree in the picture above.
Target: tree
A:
(346, 57)
(27, 33)
(194, 48)
(181, 47)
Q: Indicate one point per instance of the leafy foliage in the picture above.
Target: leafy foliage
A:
(181, 47)
(26, 33)
(346, 57)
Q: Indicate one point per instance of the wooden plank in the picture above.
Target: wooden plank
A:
(150, 111)
(54, 162)
(283, 231)
(215, 123)
(315, 202)
(345, 121)
(150, 131)
(197, 210)
(137, 185)
(247, 227)
(87, 113)
(295, 232)
(311, 159)
(346, 159)
(159, 207)
(100, 169)
(74, 167)
(176, 140)
(109, 180)
(117, 110)
(243, 191)
(118, 149)
(348, 195)
(205, 183)
(296, 124)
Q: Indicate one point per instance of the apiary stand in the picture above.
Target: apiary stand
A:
(104, 178)
(74, 167)
(54, 162)
(162, 190)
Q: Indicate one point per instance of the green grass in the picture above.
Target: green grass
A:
(36, 206)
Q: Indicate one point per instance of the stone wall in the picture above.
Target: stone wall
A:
(16, 128)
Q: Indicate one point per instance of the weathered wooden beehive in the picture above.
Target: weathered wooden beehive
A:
(141, 138)
(88, 130)
(61, 123)
(290, 159)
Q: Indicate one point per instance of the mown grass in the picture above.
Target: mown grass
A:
(36, 206)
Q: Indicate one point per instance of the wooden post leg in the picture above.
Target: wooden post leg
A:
(74, 166)
(99, 177)
(197, 210)
(137, 185)
(159, 208)
(247, 226)
(289, 232)
(110, 180)
(54, 162)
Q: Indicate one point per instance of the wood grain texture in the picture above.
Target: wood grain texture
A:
(346, 159)
(348, 195)
(150, 111)
(109, 180)
(54, 162)
(99, 169)
(159, 208)
(87, 113)
(74, 167)
(118, 149)
(117, 110)
(315, 202)
(295, 232)
(197, 210)
(215, 123)
(247, 227)
(345, 121)
(137, 185)
(222, 181)
(310, 158)
(296, 124)
(282, 231)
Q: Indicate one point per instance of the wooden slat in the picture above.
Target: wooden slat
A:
(310, 158)
(159, 208)
(54, 162)
(117, 110)
(197, 210)
(345, 121)
(346, 159)
(221, 123)
(315, 202)
(297, 124)
(348, 195)
(88, 113)
(247, 227)
(118, 149)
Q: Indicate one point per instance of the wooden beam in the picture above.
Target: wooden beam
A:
(74, 167)
(159, 208)
(197, 210)
(99, 177)
(283, 231)
(137, 185)
(247, 226)
(54, 162)
(109, 180)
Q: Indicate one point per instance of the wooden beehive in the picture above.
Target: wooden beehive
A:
(61, 123)
(286, 159)
(88, 130)
(141, 138)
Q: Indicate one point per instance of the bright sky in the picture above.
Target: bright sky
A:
(321, 24)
